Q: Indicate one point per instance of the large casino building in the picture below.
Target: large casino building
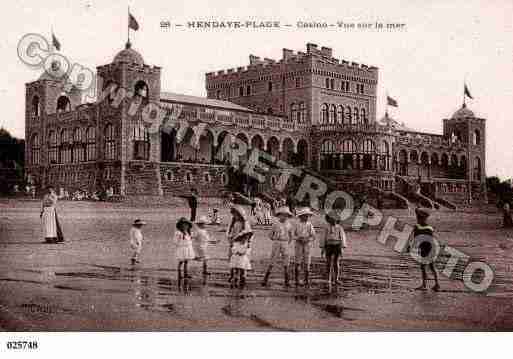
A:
(309, 109)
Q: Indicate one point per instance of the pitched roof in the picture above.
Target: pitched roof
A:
(196, 100)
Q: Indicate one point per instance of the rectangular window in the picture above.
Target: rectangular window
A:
(298, 82)
(248, 90)
(270, 86)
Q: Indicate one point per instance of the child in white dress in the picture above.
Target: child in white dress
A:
(136, 239)
(239, 261)
(201, 238)
(184, 250)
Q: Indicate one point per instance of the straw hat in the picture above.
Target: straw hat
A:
(183, 220)
(284, 210)
(244, 232)
(202, 220)
(138, 222)
(305, 211)
(422, 212)
(239, 210)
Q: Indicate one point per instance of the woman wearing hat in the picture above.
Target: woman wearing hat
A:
(184, 250)
(281, 236)
(304, 235)
(136, 240)
(238, 224)
(51, 228)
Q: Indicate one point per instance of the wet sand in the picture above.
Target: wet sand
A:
(87, 283)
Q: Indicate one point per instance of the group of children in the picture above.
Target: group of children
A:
(287, 235)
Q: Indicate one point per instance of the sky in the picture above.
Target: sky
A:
(423, 66)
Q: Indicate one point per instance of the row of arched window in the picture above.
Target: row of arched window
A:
(73, 146)
(333, 114)
(346, 155)
(298, 112)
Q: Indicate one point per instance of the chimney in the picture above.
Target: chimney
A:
(253, 59)
(310, 48)
(326, 51)
(287, 54)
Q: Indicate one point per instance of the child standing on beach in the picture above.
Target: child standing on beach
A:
(332, 242)
(136, 239)
(304, 235)
(201, 238)
(239, 261)
(423, 244)
(184, 249)
(281, 236)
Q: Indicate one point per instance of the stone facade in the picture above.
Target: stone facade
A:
(309, 109)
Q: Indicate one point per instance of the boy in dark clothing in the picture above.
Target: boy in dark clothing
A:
(423, 233)
(192, 200)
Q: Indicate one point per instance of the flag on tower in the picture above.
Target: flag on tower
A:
(467, 92)
(56, 42)
(132, 22)
(391, 102)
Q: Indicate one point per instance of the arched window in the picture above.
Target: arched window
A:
(349, 116)
(91, 144)
(332, 83)
(248, 90)
(35, 106)
(141, 142)
(327, 155)
(302, 112)
(477, 138)
(270, 86)
(385, 156)
(477, 169)
(110, 142)
(356, 115)
(340, 114)
(324, 113)
(65, 148)
(327, 83)
(333, 114)
(368, 150)
(349, 149)
(78, 145)
(293, 111)
(241, 91)
(35, 149)
(63, 104)
(363, 116)
(53, 147)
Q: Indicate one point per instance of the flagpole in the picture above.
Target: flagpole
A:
(128, 26)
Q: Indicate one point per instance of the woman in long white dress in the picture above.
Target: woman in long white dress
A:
(52, 232)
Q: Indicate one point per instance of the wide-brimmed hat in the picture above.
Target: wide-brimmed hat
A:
(284, 210)
(334, 215)
(138, 222)
(237, 208)
(422, 212)
(244, 232)
(202, 220)
(305, 211)
(181, 221)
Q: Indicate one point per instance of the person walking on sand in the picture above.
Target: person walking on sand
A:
(422, 242)
(136, 240)
(184, 249)
(192, 201)
(333, 240)
(201, 238)
(281, 237)
(304, 235)
(52, 231)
